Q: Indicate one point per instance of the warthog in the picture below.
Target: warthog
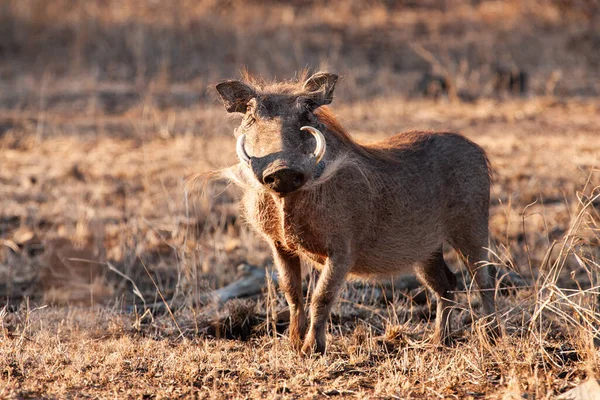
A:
(369, 211)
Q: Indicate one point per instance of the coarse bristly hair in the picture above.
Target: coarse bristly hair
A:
(374, 210)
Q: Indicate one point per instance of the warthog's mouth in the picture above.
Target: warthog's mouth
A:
(317, 154)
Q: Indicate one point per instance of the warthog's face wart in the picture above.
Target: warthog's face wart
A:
(278, 138)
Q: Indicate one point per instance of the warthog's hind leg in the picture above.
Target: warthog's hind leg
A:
(469, 237)
(290, 281)
(435, 275)
(470, 248)
(485, 281)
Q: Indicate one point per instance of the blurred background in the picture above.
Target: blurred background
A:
(380, 47)
(107, 108)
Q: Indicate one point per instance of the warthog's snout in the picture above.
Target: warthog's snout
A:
(284, 180)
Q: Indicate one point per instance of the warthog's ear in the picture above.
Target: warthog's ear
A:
(319, 88)
(235, 95)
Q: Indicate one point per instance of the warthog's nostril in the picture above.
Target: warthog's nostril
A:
(284, 180)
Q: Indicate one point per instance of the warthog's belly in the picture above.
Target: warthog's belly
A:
(377, 271)
(376, 264)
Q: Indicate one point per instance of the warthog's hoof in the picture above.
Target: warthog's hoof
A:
(297, 330)
(296, 340)
(490, 328)
(442, 339)
(493, 331)
(314, 344)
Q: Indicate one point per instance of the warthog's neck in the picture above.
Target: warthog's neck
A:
(300, 216)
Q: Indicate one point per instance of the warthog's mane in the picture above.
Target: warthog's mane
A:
(293, 86)
(376, 151)
(389, 149)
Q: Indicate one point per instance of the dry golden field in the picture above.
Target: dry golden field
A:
(110, 250)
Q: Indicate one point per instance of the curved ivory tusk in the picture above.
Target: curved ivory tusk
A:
(241, 151)
(321, 146)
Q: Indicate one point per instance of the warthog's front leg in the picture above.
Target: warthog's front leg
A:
(330, 282)
(290, 281)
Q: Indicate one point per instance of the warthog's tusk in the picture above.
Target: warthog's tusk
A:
(321, 146)
(241, 151)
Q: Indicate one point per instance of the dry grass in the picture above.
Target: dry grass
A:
(105, 114)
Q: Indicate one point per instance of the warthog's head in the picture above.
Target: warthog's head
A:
(278, 138)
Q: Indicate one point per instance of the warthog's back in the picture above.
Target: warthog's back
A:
(430, 186)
